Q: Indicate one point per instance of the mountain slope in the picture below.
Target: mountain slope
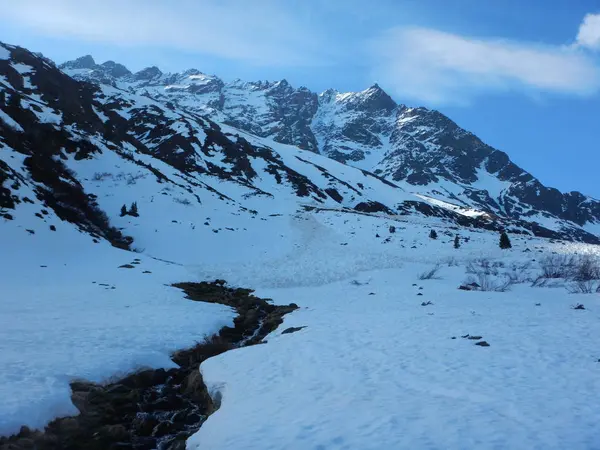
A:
(213, 201)
(420, 149)
(64, 138)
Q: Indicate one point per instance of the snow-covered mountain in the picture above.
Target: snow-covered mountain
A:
(420, 149)
(117, 187)
(61, 138)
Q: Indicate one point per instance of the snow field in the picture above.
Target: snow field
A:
(68, 312)
(382, 371)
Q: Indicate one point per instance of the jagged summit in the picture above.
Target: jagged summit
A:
(368, 129)
(83, 62)
(116, 70)
(418, 148)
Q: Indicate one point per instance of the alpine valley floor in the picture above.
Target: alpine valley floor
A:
(376, 366)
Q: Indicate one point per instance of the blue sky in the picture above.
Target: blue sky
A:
(523, 76)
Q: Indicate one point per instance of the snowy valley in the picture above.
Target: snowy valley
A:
(115, 186)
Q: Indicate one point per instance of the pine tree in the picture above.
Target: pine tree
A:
(123, 211)
(133, 211)
(504, 241)
(2, 98)
(433, 234)
(457, 242)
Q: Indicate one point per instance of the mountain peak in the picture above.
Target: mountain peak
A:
(83, 62)
(148, 73)
(116, 70)
(373, 99)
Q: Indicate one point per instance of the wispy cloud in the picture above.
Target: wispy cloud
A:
(437, 67)
(589, 32)
(259, 32)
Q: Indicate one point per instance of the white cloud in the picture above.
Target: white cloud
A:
(259, 32)
(589, 32)
(437, 67)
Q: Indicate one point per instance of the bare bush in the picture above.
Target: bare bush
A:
(484, 265)
(100, 176)
(587, 268)
(431, 274)
(582, 271)
(519, 273)
(451, 262)
(130, 178)
(489, 283)
(182, 201)
(584, 287)
(557, 266)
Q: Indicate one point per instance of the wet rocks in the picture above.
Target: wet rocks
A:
(160, 408)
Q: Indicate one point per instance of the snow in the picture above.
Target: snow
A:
(459, 209)
(382, 371)
(368, 371)
(22, 68)
(4, 53)
(68, 312)
(10, 122)
(488, 182)
(59, 323)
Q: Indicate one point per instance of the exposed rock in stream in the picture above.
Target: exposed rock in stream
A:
(155, 409)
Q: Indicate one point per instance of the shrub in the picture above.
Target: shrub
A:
(182, 201)
(483, 265)
(505, 241)
(519, 273)
(487, 282)
(431, 274)
(433, 234)
(587, 268)
(100, 176)
(582, 271)
(133, 211)
(451, 261)
(584, 287)
(557, 266)
(456, 242)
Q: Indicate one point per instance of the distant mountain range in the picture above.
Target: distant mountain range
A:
(256, 146)
(368, 130)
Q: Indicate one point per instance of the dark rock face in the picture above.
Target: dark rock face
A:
(115, 69)
(84, 62)
(46, 146)
(117, 124)
(292, 330)
(147, 74)
(416, 146)
(372, 207)
(155, 408)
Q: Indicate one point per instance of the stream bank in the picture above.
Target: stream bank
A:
(156, 409)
